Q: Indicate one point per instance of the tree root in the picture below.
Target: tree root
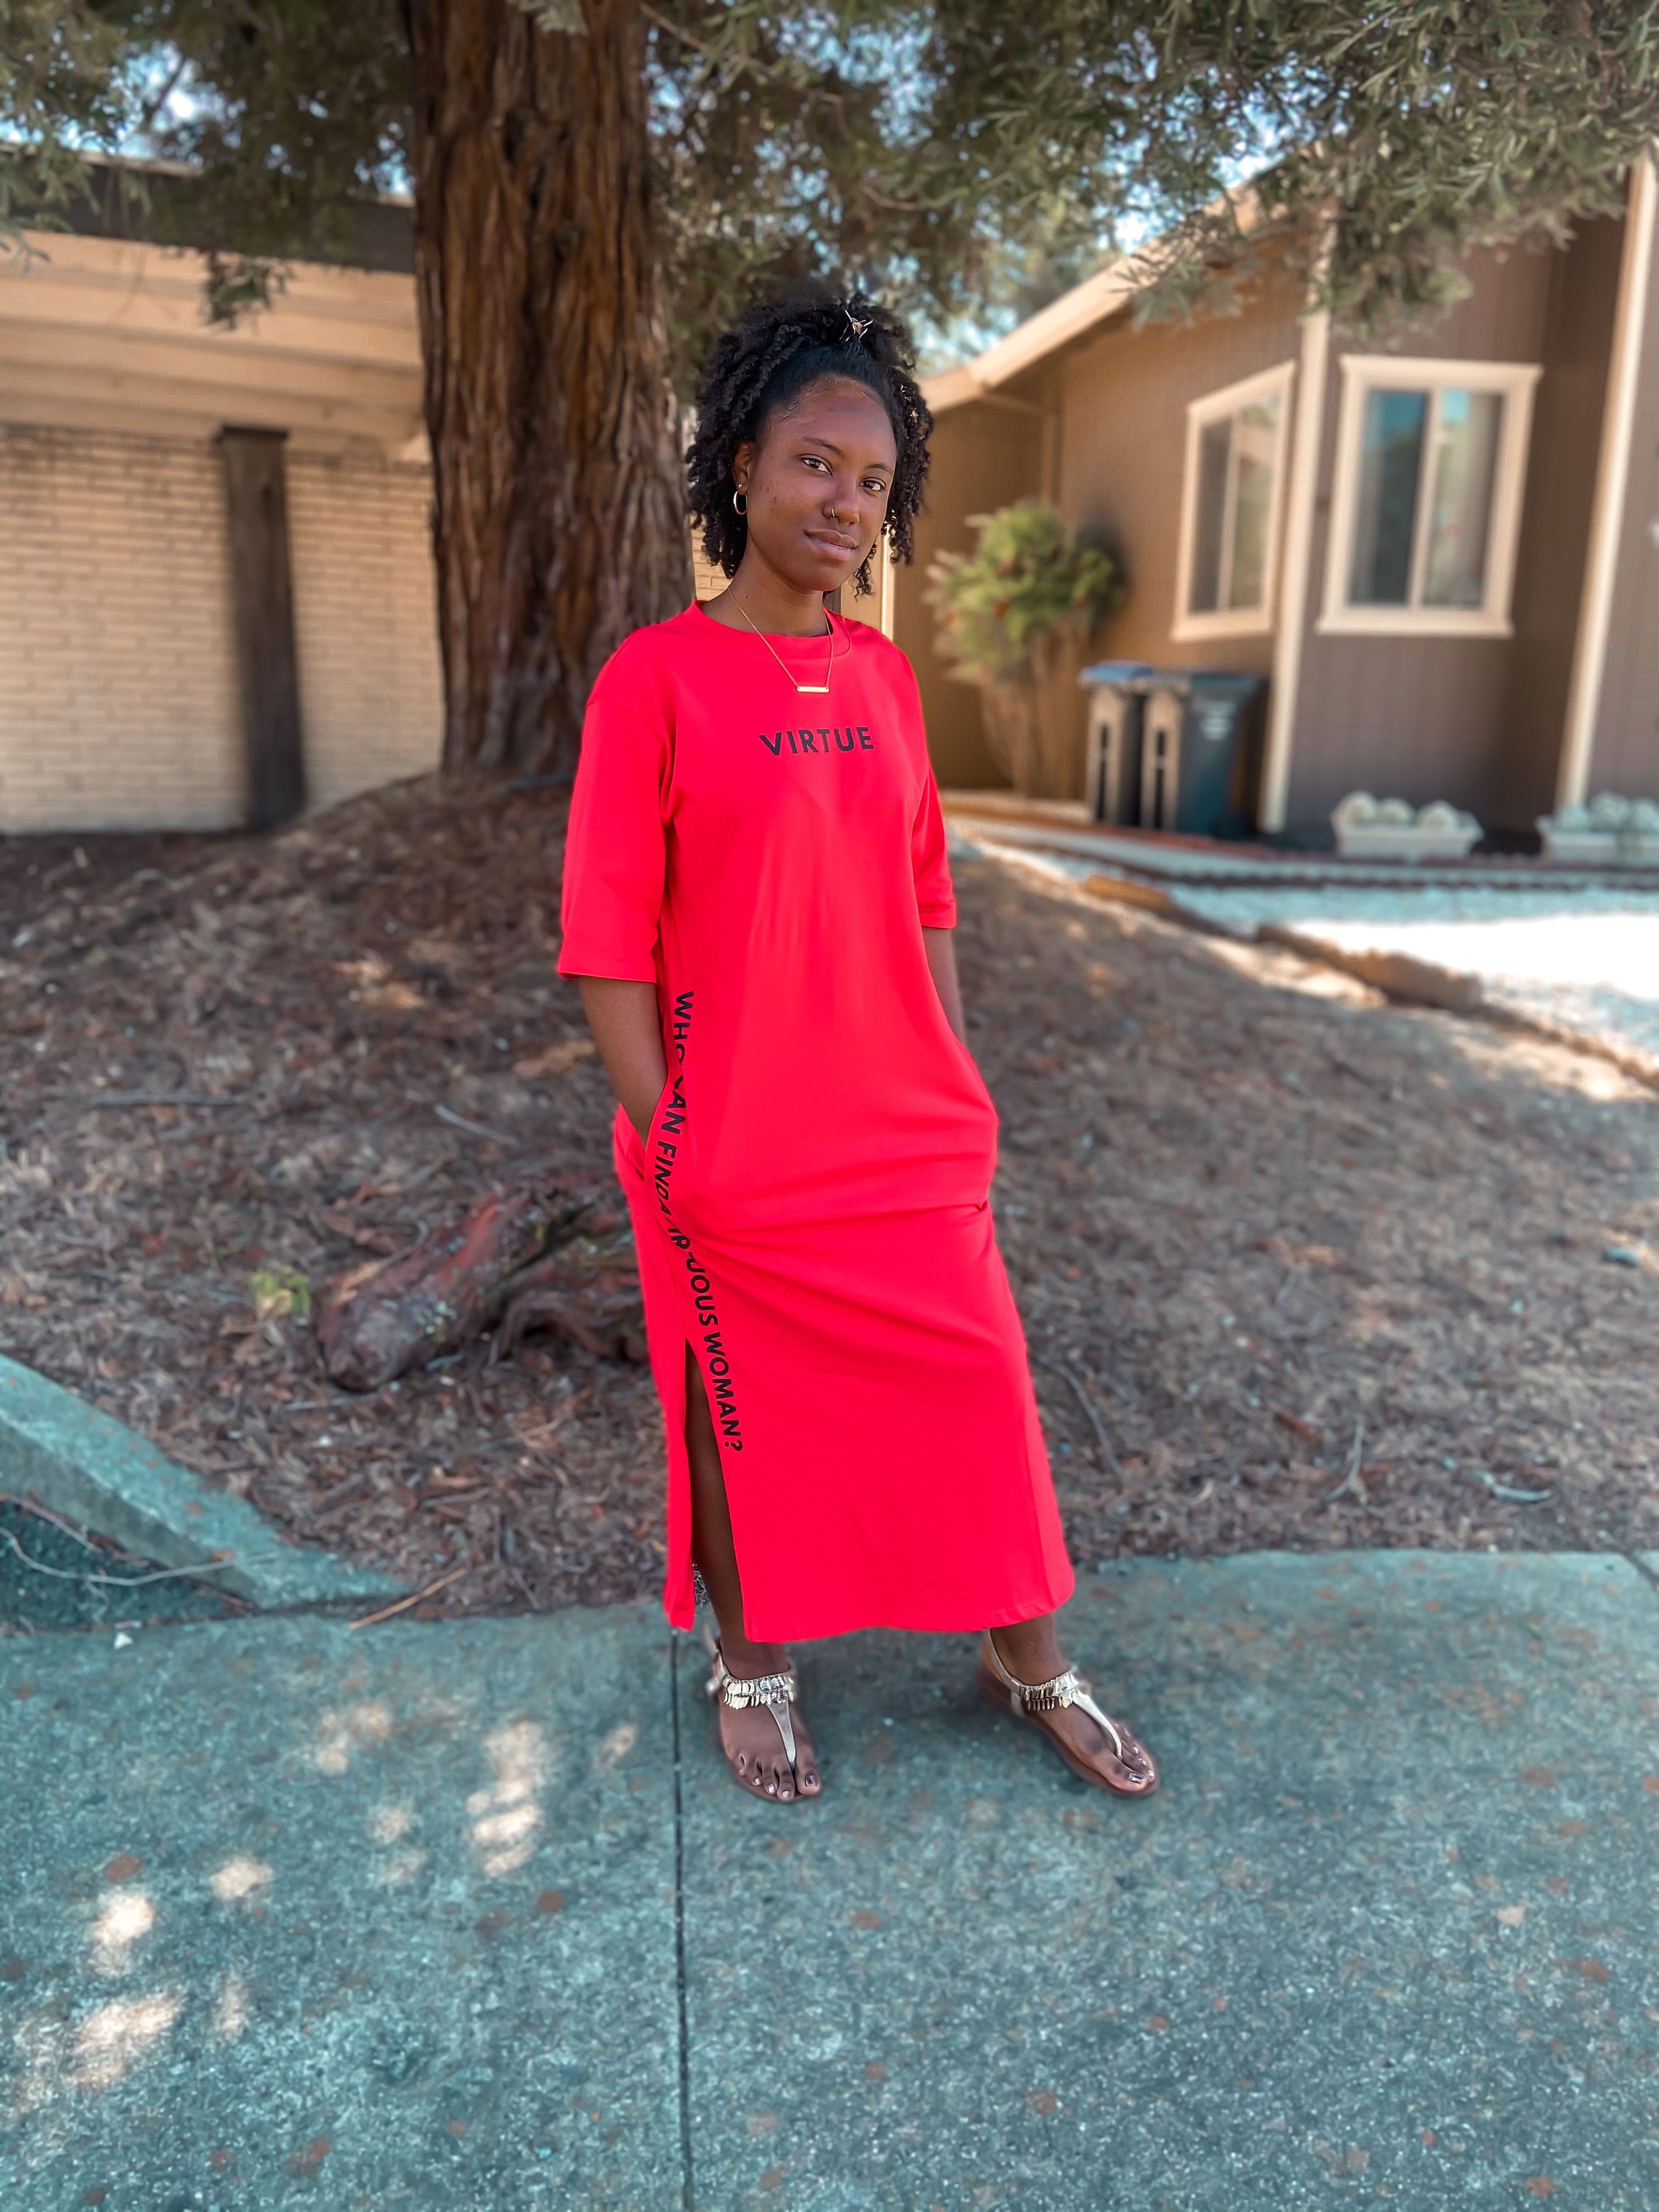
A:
(496, 1265)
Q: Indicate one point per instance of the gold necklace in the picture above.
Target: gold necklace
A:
(820, 690)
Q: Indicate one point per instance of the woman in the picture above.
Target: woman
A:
(757, 905)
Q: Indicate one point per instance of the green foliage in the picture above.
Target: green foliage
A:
(1027, 579)
(278, 1293)
(1400, 136)
(290, 114)
(58, 68)
(794, 139)
(1385, 142)
(955, 156)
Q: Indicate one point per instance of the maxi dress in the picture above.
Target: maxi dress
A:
(812, 1203)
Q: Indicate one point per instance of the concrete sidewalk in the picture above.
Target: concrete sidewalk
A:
(468, 1916)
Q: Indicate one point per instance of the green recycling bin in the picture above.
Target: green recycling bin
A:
(1198, 751)
(1117, 702)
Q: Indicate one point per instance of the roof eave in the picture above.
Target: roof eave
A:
(1073, 316)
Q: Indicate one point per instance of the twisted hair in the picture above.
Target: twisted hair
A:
(758, 369)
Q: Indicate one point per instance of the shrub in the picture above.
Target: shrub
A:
(1028, 578)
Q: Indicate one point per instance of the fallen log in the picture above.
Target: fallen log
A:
(388, 1317)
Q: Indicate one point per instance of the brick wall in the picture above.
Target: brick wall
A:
(118, 678)
(371, 692)
(119, 706)
(707, 581)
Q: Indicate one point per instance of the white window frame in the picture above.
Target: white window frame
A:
(1362, 372)
(1232, 622)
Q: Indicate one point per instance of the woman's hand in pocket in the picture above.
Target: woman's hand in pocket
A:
(643, 1122)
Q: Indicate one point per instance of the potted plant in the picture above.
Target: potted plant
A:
(1611, 832)
(1004, 611)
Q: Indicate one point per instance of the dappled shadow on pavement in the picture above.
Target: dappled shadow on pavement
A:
(469, 1915)
(300, 1914)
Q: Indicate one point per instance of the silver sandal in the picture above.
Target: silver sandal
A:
(777, 1693)
(1032, 1700)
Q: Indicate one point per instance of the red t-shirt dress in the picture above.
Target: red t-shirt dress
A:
(812, 1203)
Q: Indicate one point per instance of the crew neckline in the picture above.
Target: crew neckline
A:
(812, 641)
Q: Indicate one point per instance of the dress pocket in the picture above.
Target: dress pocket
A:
(634, 1148)
(626, 1139)
(982, 1090)
(662, 1156)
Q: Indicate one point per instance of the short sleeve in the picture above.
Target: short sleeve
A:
(614, 859)
(936, 902)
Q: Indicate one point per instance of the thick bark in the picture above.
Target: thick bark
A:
(558, 515)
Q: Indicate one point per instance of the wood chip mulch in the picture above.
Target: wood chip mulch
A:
(1299, 1268)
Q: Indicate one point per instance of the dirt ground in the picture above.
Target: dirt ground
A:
(1299, 1268)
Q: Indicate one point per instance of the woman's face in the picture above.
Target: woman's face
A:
(816, 483)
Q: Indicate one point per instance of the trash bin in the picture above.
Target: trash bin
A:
(1195, 757)
(1117, 701)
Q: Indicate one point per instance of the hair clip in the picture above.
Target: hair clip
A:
(855, 327)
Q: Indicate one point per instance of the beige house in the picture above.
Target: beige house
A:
(1441, 551)
(157, 477)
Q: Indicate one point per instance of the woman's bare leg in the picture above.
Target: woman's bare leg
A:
(1031, 1650)
(750, 1737)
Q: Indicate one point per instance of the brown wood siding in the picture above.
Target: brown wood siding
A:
(1123, 447)
(1416, 718)
(1549, 576)
(984, 456)
(1625, 758)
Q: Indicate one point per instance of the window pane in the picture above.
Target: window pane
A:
(1214, 441)
(1255, 442)
(1390, 461)
(1460, 517)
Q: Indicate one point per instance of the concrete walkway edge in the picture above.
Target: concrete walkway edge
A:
(94, 1470)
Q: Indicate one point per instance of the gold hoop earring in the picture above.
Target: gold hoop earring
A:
(740, 502)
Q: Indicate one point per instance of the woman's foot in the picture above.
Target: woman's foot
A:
(766, 1747)
(1099, 1750)
(765, 1741)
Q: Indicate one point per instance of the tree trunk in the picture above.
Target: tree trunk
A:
(558, 512)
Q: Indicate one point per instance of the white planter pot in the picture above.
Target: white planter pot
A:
(1402, 841)
(1600, 848)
